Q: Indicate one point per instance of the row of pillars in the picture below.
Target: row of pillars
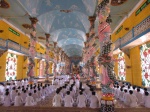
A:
(32, 52)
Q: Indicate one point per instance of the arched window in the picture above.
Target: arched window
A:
(121, 67)
(145, 64)
(11, 67)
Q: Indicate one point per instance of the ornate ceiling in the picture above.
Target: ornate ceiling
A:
(65, 20)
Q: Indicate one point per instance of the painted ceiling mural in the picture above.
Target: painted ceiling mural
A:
(66, 21)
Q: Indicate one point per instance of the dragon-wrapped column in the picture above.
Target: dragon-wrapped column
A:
(32, 51)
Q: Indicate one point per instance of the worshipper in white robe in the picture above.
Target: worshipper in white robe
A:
(18, 100)
(68, 100)
(13, 93)
(7, 100)
(39, 94)
(126, 98)
(47, 90)
(72, 93)
(19, 83)
(89, 93)
(81, 100)
(57, 100)
(133, 99)
(35, 96)
(134, 90)
(71, 81)
(120, 96)
(43, 93)
(74, 88)
(117, 92)
(94, 103)
(77, 83)
(146, 100)
(63, 91)
(29, 101)
(139, 96)
(23, 95)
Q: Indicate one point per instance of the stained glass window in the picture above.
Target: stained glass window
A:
(11, 67)
(121, 67)
(145, 64)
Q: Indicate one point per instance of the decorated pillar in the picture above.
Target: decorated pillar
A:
(92, 20)
(32, 51)
(47, 57)
(55, 58)
(105, 57)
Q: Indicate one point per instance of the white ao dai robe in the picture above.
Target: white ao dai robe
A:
(68, 101)
(57, 100)
(81, 101)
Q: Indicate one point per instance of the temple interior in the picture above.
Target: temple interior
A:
(99, 49)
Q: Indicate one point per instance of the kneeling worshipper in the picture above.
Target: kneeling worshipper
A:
(29, 100)
(94, 103)
(81, 100)
(13, 94)
(133, 99)
(146, 100)
(57, 99)
(39, 94)
(126, 98)
(35, 97)
(24, 95)
(121, 94)
(139, 96)
(7, 100)
(18, 100)
(68, 100)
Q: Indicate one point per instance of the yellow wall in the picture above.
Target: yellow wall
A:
(132, 21)
(25, 61)
(20, 60)
(51, 54)
(39, 49)
(38, 67)
(3, 66)
(136, 66)
(128, 70)
(50, 67)
(22, 39)
(35, 68)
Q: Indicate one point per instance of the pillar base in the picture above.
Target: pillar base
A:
(47, 79)
(107, 106)
(30, 80)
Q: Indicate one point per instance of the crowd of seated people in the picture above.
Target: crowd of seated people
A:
(132, 96)
(20, 93)
(72, 93)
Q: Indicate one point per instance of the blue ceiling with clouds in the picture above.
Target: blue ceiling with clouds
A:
(67, 29)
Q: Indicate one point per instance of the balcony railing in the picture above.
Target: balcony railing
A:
(24, 50)
(2, 43)
(38, 55)
(141, 28)
(7, 44)
(14, 46)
